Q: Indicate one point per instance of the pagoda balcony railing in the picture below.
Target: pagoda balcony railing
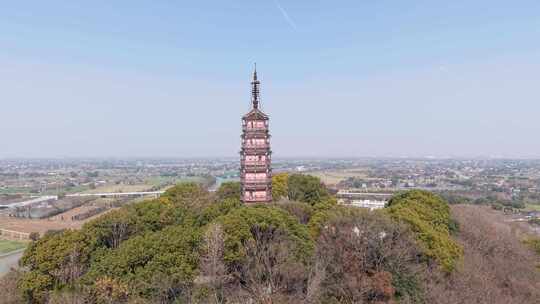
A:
(268, 178)
(255, 163)
(259, 146)
(254, 129)
(259, 135)
(255, 169)
(255, 199)
(255, 151)
(248, 185)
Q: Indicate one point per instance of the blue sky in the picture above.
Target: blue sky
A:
(339, 78)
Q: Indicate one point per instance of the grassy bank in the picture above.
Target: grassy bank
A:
(8, 246)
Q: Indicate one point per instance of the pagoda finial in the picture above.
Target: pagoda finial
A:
(255, 89)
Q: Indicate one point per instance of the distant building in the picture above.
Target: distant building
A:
(255, 155)
(369, 204)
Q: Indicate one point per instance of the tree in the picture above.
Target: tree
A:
(240, 225)
(428, 215)
(270, 273)
(363, 257)
(306, 188)
(156, 265)
(34, 286)
(190, 196)
(280, 188)
(212, 267)
(218, 209)
(62, 257)
(8, 285)
(228, 190)
(303, 212)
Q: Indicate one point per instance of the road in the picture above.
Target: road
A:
(9, 260)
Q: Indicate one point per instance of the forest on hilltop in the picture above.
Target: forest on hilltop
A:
(192, 246)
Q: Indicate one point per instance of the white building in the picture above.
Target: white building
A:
(370, 204)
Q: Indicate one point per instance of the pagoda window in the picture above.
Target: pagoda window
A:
(260, 176)
(260, 194)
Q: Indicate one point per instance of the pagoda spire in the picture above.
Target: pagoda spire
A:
(255, 89)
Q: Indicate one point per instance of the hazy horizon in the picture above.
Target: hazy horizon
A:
(415, 79)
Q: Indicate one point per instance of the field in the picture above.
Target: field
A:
(9, 246)
(334, 177)
(120, 188)
(160, 180)
(57, 222)
(532, 207)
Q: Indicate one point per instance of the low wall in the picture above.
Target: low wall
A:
(14, 235)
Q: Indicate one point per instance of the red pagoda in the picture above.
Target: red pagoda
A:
(255, 156)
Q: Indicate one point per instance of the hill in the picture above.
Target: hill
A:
(191, 246)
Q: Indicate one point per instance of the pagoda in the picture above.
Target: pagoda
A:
(255, 155)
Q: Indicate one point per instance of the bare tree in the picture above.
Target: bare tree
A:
(213, 270)
(271, 273)
(355, 257)
(8, 286)
(497, 268)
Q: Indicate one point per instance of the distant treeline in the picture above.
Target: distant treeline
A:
(492, 200)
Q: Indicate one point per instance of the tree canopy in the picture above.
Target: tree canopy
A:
(194, 246)
(428, 215)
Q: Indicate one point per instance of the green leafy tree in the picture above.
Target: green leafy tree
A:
(241, 224)
(428, 215)
(115, 227)
(218, 209)
(306, 189)
(56, 259)
(228, 190)
(191, 196)
(157, 265)
(34, 286)
(280, 187)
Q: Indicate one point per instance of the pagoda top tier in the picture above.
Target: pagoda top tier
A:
(255, 113)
